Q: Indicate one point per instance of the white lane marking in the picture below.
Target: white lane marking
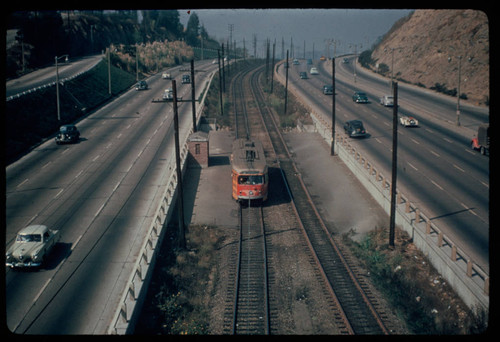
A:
(76, 242)
(24, 181)
(448, 140)
(60, 191)
(435, 153)
(41, 290)
(97, 157)
(469, 209)
(436, 184)
(79, 173)
(100, 209)
(415, 141)
(412, 166)
(458, 167)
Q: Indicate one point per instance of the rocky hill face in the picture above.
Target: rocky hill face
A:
(427, 46)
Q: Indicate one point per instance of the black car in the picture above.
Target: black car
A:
(354, 128)
(186, 79)
(303, 75)
(360, 97)
(328, 89)
(67, 134)
(141, 85)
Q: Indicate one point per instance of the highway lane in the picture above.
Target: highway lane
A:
(47, 75)
(435, 167)
(100, 194)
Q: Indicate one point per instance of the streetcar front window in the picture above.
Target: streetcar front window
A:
(251, 180)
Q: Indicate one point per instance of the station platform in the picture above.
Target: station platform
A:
(207, 191)
(342, 201)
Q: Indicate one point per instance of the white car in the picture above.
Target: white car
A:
(168, 95)
(31, 247)
(166, 76)
(387, 101)
(314, 71)
(408, 121)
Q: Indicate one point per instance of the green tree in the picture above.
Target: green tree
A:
(192, 30)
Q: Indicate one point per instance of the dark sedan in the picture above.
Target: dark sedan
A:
(360, 97)
(141, 85)
(354, 128)
(67, 134)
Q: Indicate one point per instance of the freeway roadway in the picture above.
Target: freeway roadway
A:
(437, 169)
(46, 76)
(100, 194)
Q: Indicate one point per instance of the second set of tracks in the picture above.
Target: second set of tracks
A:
(354, 310)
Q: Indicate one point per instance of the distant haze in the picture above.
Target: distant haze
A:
(348, 27)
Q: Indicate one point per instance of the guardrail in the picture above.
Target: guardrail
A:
(132, 298)
(469, 281)
(48, 85)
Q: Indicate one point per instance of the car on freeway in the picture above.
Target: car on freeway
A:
(408, 121)
(141, 85)
(354, 128)
(345, 61)
(314, 71)
(359, 97)
(327, 89)
(296, 62)
(186, 79)
(482, 141)
(166, 76)
(309, 61)
(303, 75)
(322, 58)
(67, 134)
(387, 101)
(168, 95)
(31, 247)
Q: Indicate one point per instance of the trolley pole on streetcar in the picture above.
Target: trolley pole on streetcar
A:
(392, 226)
(193, 100)
(332, 150)
(180, 195)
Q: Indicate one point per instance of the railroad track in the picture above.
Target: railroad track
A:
(355, 311)
(251, 314)
(249, 293)
(358, 313)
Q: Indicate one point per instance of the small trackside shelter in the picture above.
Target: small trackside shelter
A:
(198, 150)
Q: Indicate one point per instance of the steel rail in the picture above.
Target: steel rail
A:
(274, 127)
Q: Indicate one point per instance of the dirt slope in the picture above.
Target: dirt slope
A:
(427, 45)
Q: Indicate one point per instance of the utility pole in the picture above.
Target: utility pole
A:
(223, 74)
(220, 85)
(109, 71)
(332, 150)
(267, 60)
(392, 226)
(180, 195)
(286, 81)
(272, 67)
(193, 99)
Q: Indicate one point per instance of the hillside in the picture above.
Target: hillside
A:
(427, 45)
